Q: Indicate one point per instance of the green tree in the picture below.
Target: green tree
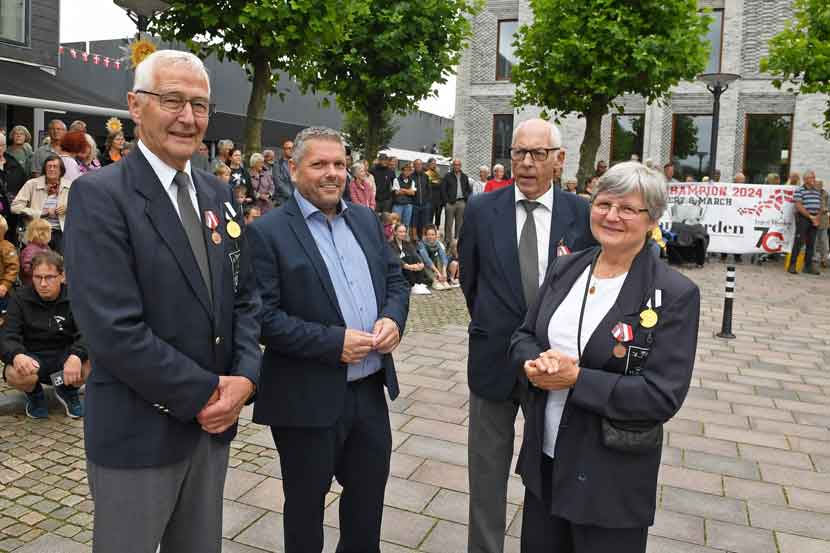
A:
(355, 125)
(580, 57)
(395, 53)
(446, 145)
(260, 35)
(800, 54)
(685, 137)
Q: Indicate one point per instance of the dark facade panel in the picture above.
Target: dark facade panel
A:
(42, 36)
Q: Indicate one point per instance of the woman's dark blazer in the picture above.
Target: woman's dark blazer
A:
(592, 484)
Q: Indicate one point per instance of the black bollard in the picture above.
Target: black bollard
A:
(729, 298)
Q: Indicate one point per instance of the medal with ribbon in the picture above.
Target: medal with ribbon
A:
(212, 222)
(233, 228)
(622, 333)
(561, 248)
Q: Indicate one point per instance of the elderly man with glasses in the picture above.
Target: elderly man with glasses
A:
(508, 238)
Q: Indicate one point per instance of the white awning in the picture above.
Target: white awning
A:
(62, 106)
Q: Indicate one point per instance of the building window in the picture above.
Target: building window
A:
(502, 140)
(691, 139)
(715, 39)
(506, 56)
(627, 137)
(767, 148)
(14, 21)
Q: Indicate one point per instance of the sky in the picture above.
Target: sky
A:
(110, 22)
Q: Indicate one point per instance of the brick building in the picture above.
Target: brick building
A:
(762, 130)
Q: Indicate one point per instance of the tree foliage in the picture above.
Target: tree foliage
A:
(445, 147)
(800, 54)
(581, 57)
(355, 125)
(260, 35)
(394, 54)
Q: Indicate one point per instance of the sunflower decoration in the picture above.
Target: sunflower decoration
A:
(114, 125)
(140, 49)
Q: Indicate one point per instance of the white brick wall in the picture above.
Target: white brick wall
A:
(748, 25)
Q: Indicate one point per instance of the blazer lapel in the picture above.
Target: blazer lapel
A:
(503, 234)
(206, 194)
(561, 220)
(300, 229)
(168, 225)
(633, 296)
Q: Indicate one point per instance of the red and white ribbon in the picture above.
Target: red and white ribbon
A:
(211, 220)
(623, 332)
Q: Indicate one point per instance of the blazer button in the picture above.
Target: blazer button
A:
(581, 477)
(218, 340)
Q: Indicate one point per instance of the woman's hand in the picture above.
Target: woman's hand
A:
(552, 370)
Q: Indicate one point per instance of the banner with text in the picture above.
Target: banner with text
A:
(740, 218)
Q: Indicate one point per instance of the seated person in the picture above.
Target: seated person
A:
(411, 264)
(40, 340)
(223, 172)
(9, 265)
(436, 262)
(38, 235)
(690, 238)
(452, 266)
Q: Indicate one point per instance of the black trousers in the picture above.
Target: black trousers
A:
(805, 235)
(356, 450)
(546, 533)
(417, 277)
(437, 210)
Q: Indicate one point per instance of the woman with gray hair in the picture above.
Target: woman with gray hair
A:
(498, 180)
(608, 349)
(262, 183)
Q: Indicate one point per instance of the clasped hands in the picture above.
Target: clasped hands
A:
(552, 370)
(223, 406)
(357, 344)
(72, 368)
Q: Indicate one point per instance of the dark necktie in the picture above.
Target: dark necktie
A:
(529, 253)
(193, 228)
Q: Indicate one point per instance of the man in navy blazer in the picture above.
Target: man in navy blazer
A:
(161, 285)
(495, 282)
(334, 307)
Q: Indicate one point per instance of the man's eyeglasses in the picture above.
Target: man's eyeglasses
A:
(48, 279)
(538, 154)
(174, 103)
(625, 212)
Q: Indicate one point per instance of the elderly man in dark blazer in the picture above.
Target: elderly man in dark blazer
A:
(334, 307)
(508, 239)
(161, 287)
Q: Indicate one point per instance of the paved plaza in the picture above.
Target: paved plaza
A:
(746, 467)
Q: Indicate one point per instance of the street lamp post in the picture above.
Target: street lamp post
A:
(717, 84)
(140, 11)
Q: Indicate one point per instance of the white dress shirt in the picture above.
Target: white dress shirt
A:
(562, 330)
(165, 173)
(542, 215)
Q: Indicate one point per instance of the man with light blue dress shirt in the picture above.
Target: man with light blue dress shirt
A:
(334, 307)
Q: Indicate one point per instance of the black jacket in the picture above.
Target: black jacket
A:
(423, 194)
(12, 178)
(449, 187)
(35, 325)
(594, 484)
(384, 177)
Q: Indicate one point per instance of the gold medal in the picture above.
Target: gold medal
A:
(233, 229)
(619, 350)
(216, 237)
(648, 318)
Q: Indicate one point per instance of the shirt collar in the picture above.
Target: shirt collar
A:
(308, 209)
(545, 199)
(164, 172)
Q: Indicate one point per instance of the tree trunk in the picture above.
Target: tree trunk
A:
(256, 104)
(590, 142)
(374, 117)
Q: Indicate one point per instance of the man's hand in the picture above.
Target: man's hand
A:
(356, 345)
(25, 365)
(3, 290)
(72, 371)
(60, 210)
(223, 406)
(386, 335)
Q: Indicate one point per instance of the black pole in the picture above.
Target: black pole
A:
(729, 298)
(716, 91)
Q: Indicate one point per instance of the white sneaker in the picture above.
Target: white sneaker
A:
(455, 284)
(420, 289)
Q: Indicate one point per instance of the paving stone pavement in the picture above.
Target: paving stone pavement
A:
(746, 466)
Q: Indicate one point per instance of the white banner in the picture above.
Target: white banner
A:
(740, 218)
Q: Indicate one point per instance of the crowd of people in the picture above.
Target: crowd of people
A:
(195, 286)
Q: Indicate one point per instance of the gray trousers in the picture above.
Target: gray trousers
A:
(177, 506)
(453, 219)
(490, 451)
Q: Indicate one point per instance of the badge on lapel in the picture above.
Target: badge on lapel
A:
(212, 222)
(622, 333)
